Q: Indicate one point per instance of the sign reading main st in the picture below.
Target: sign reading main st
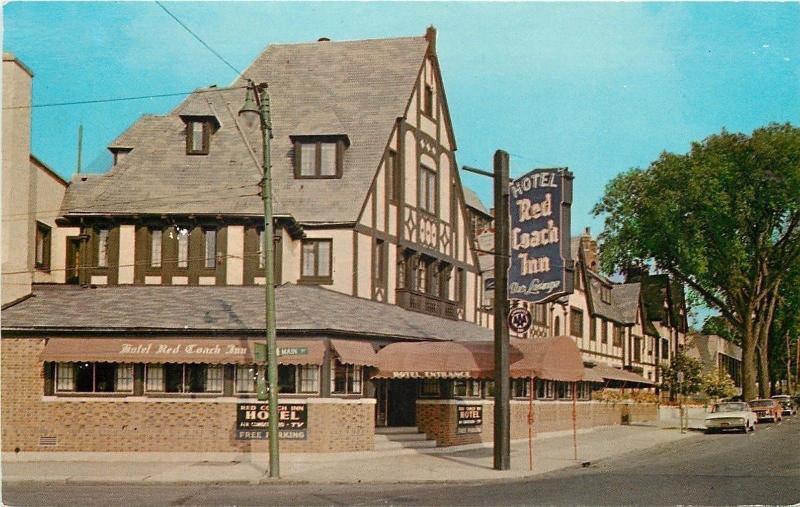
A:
(541, 266)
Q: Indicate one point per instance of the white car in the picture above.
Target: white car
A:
(731, 415)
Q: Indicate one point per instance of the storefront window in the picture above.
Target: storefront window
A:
(429, 388)
(246, 378)
(467, 388)
(345, 378)
(584, 391)
(521, 388)
(94, 377)
(545, 389)
(564, 390)
(294, 379)
(184, 378)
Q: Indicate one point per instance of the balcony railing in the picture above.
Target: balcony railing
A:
(425, 303)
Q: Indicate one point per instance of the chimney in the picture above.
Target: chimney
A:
(590, 250)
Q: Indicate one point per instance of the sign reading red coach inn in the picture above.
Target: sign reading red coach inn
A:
(541, 264)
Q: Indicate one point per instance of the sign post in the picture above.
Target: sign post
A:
(502, 385)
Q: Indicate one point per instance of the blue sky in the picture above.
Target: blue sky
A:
(599, 87)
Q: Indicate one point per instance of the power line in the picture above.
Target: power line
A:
(201, 41)
(121, 99)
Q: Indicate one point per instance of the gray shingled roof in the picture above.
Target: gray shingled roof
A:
(359, 87)
(224, 308)
(625, 297)
(472, 200)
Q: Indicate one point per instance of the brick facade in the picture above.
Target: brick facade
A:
(437, 418)
(142, 424)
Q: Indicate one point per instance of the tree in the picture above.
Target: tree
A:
(718, 384)
(690, 368)
(717, 325)
(785, 332)
(723, 219)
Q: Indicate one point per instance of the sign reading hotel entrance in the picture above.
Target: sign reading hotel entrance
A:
(541, 264)
(469, 418)
(252, 421)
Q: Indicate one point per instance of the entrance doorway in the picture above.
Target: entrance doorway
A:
(401, 406)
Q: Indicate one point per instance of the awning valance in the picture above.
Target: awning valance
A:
(616, 375)
(555, 358)
(177, 350)
(355, 352)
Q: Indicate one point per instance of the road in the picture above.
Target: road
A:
(721, 469)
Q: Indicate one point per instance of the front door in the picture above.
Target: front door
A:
(402, 403)
(73, 260)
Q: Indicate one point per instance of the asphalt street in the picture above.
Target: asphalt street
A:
(719, 469)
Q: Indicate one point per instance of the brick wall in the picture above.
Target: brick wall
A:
(139, 424)
(437, 418)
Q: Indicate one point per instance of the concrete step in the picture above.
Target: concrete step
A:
(408, 444)
(400, 437)
(386, 430)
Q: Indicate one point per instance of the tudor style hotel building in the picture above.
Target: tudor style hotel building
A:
(141, 333)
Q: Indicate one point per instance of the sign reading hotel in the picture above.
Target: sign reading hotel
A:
(469, 418)
(541, 263)
(252, 420)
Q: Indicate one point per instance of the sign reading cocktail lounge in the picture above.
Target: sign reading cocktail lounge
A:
(541, 264)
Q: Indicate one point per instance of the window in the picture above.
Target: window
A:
(445, 274)
(156, 237)
(94, 377)
(576, 322)
(637, 349)
(604, 330)
(210, 248)
(421, 274)
(316, 260)
(318, 159)
(617, 336)
(429, 388)
(262, 254)
(345, 378)
(183, 378)
(394, 180)
(198, 137)
(427, 189)
(246, 377)
(294, 379)
(402, 271)
(42, 260)
(467, 388)
(584, 391)
(564, 390)
(605, 294)
(102, 248)
(545, 389)
(521, 388)
(183, 247)
(380, 261)
(539, 313)
(427, 105)
(593, 329)
(665, 349)
(460, 293)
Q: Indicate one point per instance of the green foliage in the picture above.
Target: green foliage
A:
(691, 368)
(718, 384)
(717, 325)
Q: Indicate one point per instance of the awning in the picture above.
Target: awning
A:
(355, 352)
(550, 358)
(614, 375)
(177, 350)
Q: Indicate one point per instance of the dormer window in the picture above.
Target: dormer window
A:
(198, 137)
(319, 157)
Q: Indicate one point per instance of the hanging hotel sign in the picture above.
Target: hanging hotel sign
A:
(519, 320)
(469, 418)
(541, 263)
(252, 420)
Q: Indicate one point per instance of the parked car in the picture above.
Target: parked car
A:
(767, 409)
(731, 416)
(786, 402)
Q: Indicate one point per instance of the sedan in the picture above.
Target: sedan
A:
(767, 409)
(731, 416)
(786, 403)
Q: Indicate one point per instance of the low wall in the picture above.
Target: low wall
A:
(34, 422)
(438, 418)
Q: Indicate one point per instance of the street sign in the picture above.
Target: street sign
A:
(260, 352)
(541, 266)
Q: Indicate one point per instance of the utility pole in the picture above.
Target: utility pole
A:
(502, 386)
(80, 148)
(256, 108)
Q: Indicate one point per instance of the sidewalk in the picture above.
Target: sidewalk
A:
(551, 451)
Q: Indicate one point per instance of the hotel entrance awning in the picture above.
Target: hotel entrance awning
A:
(555, 358)
(177, 350)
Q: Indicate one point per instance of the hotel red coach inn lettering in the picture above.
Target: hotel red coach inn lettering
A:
(140, 323)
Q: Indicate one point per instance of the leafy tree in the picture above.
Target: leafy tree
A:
(718, 384)
(785, 331)
(691, 368)
(717, 325)
(723, 219)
